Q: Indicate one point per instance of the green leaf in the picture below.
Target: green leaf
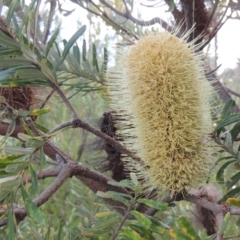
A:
(24, 137)
(225, 222)
(34, 212)
(227, 108)
(77, 55)
(230, 194)
(29, 54)
(12, 58)
(105, 61)
(142, 219)
(8, 42)
(35, 234)
(115, 197)
(4, 194)
(156, 222)
(157, 229)
(41, 128)
(51, 41)
(84, 51)
(233, 180)
(162, 206)
(142, 231)
(42, 157)
(28, 72)
(9, 159)
(10, 129)
(10, 224)
(130, 234)
(220, 173)
(16, 167)
(228, 141)
(171, 6)
(69, 44)
(124, 183)
(18, 150)
(235, 131)
(46, 70)
(34, 182)
(11, 10)
(227, 121)
(177, 234)
(9, 182)
(28, 14)
(35, 143)
(95, 63)
(187, 229)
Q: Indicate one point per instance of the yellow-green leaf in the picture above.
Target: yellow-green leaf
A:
(234, 201)
(142, 219)
(162, 206)
(186, 228)
(36, 112)
(104, 214)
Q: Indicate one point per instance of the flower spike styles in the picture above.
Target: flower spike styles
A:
(160, 98)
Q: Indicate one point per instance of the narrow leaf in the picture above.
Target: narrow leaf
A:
(95, 62)
(34, 212)
(233, 201)
(105, 61)
(162, 206)
(227, 108)
(34, 182)
(143, 231)
(37, 112)
(187, 228)
(84, 51)
(228, 141)
(142, 219)
(76, 53)
(11, 224)
(69, 44)
(227, 121)
(235, 131)
(233, 180)
(51, 41)
(11, 10)
(230, 194)
(225, 222)
(220, 173)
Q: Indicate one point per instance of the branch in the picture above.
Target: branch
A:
(50, 20)
(231, 91)
(44, 174)
(221, 90)
(128, 15)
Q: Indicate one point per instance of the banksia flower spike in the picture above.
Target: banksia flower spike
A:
(161, 112)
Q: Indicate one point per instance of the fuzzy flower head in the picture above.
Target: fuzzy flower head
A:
(161, 99)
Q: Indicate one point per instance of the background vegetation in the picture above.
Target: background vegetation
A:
(51, 181)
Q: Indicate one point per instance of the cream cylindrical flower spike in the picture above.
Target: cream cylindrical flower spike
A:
(162, 113)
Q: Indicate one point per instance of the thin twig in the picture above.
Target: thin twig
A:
(60, 126)
(125, 217)
(64, 98)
